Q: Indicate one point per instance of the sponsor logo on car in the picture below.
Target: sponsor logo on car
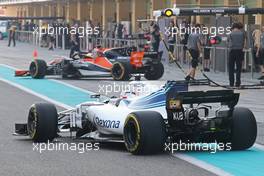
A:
(106, 123)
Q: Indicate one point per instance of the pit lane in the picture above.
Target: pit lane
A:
(156, 165)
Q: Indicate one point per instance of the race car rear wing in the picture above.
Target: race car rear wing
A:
(225, 97)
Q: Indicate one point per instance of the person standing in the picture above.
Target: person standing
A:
(172, 36)
(237, 42)
(12, 35)
(195, 50)
(260, 53)
(207, 53)
(155, 33)
(256, 45)
(75, 42)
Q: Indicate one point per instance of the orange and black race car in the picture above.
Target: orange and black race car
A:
(119, 63)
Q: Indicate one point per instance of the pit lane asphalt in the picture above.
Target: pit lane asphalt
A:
(162, 164)
(18, 158)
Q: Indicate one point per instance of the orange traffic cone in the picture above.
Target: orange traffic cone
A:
(35, 54)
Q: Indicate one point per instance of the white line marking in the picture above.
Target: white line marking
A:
(259, 146)
(202, 164)
(184, 157)
(60, 82)
(11, 67)
(72, 86)
(36, 94)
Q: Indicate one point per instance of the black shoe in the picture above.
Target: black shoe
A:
(206, 70)
(188, 78)
(260, 78)
(238, 85)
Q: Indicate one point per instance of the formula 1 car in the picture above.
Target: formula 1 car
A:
(120, 63)
(145, 122)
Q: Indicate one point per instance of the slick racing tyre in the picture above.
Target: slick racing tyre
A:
(37, 69)
(121, 71)
(144, 133)
(42, 122)
(244, 129)
(155, 72)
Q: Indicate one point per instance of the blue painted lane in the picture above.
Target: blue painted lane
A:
(51, 89)
(240, 163)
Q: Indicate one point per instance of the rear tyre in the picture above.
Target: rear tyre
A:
(1, 36)
(244, 129)
(121, 71)
(155, 72)
(38, 68)
(42, 122)
(144, 133)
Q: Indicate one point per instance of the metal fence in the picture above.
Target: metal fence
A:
(87, 43)
(183, 57)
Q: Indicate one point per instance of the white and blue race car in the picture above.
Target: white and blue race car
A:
(145, 122)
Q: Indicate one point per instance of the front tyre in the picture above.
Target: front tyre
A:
(42, 122)
(244, 129)
(38, 68)
(155, 72)
(144, 133)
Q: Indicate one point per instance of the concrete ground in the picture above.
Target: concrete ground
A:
(19, 159)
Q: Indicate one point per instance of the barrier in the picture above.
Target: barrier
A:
(248, 64)
(89, 42)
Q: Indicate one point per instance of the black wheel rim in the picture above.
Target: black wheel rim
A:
(131, 134)
(117, 71)
(33, 69)
(32, 123)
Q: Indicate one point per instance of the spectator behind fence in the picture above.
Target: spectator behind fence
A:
(194, 47)
(12, 35)
(237, 42)
(260, 53)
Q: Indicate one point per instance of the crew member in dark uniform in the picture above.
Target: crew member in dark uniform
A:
(12, 36)
(260, 53)
(155, 36)
(237, 42)
(75, 43)
(194, 47)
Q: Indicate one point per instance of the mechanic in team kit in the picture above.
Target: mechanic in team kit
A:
(12, 36)
(260, 54)
(237, 42)
(155, 33)
(195, 49)
(75, 42)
